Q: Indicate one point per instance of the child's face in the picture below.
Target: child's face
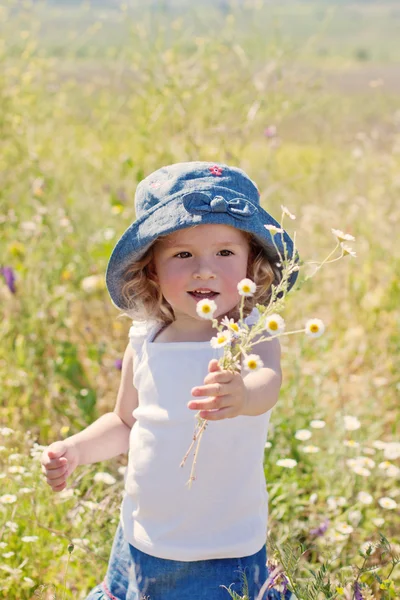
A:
(211, 258)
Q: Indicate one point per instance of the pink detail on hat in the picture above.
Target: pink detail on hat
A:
(107, 591)
(216, 170)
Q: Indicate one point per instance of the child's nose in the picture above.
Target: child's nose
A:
(204, 270)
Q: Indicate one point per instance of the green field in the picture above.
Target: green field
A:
(306, 98)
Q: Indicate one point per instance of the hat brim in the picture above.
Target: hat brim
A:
(138, 238)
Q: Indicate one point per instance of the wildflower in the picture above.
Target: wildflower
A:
(314, 328)
(8, 499)
(379, 445)
(287, 212)
(246, 287)
(93, 283)
(317, 424)
(104, 478)
(321, 529)
(222, 338)
(29, 538)
(8, 554)
(26, 490)
(367, 450)
(347, 250)
(364, 461)
(313, 498)
(357, 591)
(378, 522)
(274, 324)
(16, 469)
(289, 463)
(6, 431)
(9, 278)
(342, 237)
(344, 528)
(121, 470)
(231, 325)
(351, 443)
(270, 131)
(388, 503)
(392, 471)
(365, 498)
(303, 434)
(253, 362)
(267, 445)
(273, 229)
(118, 364)
(310, 449)
(384, 465)
(12, 525)
(206, 308)
(359, 470)
(392, 450)
(354, 517)
(351, 423)
(368, 545)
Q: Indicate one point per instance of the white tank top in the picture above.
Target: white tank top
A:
(225, 513)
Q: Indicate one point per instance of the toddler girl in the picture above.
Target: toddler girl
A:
(199, 230)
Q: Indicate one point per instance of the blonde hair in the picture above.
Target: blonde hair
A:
(144, 300)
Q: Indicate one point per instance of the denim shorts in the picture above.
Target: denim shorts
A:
(134, 575)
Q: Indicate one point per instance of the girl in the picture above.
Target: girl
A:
(199, 230)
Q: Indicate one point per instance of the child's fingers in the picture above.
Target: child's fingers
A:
(218, 377)
(213, 366)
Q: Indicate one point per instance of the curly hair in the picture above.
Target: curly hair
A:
(144, 300)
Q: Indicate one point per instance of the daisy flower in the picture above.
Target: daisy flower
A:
(206, 308)
(317, 424)
(8, 499)
(314, 328)
(365, 498)
(368, 546)
(273, 229)
(253, 362)
(388, 503)
(274, 324)
(310, 449)
(351, 423)
(222, 338)
(289, 463)
(344, 528)
(342, 237)
(246, 287)
(231, 325)
(351, 444)
(303, 435)
(287, 212)
(104, 478)
(347, 250)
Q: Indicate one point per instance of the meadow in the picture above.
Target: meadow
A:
(305, 97)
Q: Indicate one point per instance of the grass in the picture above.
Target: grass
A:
(82, 121)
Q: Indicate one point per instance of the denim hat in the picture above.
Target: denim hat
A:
(186, 194)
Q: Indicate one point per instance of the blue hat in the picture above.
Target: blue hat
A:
(187, 194)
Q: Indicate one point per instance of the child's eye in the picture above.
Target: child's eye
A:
(225, 252)
(179, 255)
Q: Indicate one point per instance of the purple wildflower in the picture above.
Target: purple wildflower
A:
(357, 591)
(118, 363)
(270, 131)
(321, 529)
(9, 277)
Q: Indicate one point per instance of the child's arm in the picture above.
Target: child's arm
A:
(105, 438)
(233, 394)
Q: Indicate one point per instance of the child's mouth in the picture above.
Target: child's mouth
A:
(203, 294)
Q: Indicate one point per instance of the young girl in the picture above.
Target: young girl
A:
(199, 230)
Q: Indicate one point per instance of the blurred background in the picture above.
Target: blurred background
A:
(304, 96)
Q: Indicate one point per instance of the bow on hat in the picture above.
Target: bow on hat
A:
(199, 203)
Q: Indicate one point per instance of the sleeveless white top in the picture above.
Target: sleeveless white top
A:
(224, 514)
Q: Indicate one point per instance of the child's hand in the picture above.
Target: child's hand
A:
(228, 394)
(59, 460)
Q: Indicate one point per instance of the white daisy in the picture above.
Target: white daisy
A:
(6, 431)
(303, 434)
(310, 449)
(342, 237)
(351, 444)
(384, 465)
(104, 478)
(287, 212)
(368, 450)
(206, 308)
(246, 287)
(368, 546)
(16, 469)
(8, 499)
(8, 554)
(364, 461)
(231, 325)
(289, 463)
(379, 444)
(313, 498)
(392, 471)
(29, 538)
(359, 470)
(273, 229)
(252, 362)
(365, 498)
(93, 283)
(344, 528)
(347, 250)
(354, 517)
(314, 328)
(274, 324)
(267, 445)
(351, 423)
(317, 424)
(378, 522)
(388, 503)
(392, 450)
(222, 338)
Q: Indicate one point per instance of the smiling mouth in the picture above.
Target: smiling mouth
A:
(202, 294)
